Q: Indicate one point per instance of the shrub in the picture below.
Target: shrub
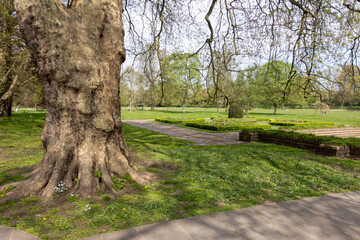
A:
(329, 140)
(299, 124)
(278, 123)
(262, 119)
(179, 120)
(227, 126)
(236, 111)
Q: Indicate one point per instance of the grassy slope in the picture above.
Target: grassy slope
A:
(195, 180)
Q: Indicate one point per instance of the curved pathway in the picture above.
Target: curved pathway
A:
(197, 137)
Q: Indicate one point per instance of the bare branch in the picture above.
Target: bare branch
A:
(302, 8)
(9, 92)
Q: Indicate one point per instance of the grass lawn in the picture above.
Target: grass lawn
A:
(194, 180)
(337, 115)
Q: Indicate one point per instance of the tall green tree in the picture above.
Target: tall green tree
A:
(182, 70)
(272, 83)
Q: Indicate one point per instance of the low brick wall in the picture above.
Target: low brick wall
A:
(355, 152)
(311, 145)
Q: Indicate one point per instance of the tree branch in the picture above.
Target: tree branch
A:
(351, 7)
(9, 92)
(302, 8)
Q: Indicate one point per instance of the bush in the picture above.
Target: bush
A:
(227, 126)
(262, 119)
(329, 140)
(236, 111)
(179, 120)
(299, 124)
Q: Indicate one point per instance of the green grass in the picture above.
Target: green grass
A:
(194, 180)
(340, 116)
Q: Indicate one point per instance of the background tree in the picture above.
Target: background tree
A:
(132, 86)
(182, 70)
(348, 85)
(271, 81)
(17, 76)
(322, 107)
(11, 46)
(150, 68)
(246, 87)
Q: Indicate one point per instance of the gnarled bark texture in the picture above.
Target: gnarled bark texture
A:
(78, 52)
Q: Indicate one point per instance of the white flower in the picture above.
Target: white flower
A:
(60, 187)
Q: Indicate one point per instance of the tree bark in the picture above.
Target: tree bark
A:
(275, 108)
(5, 108)
(152, 96)
(78, 52)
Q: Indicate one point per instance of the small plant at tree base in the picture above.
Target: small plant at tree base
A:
(118, 183)
(236, 111)
(98, 174)
(60, 188)
(107, 198)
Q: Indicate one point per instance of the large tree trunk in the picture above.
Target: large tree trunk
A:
(78, 53)
(5, 108)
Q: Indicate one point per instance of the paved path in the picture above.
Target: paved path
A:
(9, 233)
(330, 217)
(197, 137)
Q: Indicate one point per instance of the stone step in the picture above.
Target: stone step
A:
(339, 132)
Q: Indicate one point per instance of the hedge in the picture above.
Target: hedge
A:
(179, 120)
(329, 140)
(262, 119)
(314, 125)
(218, 127)
(302, 124)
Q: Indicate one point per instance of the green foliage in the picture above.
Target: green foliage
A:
(182, 72)
(227, 126)
(118, 183)
(219, 118)
(98, 174)
(302, 124)
(106, 198)
(329, 140)
(236, 111)
(179, 120)
(262, 119)
(272, 86)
